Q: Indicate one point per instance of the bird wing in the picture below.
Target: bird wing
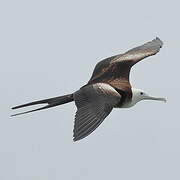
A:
(138, 53)
(119, 66)
(94, 103)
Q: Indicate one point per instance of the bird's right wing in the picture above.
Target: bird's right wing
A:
(94, 103)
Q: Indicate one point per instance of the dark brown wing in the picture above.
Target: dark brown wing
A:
(138, 53)
(118, 67)
(94, 103)
(102, 67)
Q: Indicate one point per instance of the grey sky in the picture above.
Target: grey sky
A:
(49, 48)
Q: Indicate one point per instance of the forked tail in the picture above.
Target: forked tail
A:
(56, 101)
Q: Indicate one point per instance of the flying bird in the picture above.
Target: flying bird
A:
(108, 88)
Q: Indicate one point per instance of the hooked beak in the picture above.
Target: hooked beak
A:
(155, 98)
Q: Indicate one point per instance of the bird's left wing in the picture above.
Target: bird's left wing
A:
(138, 53)
(119, 66)
(94, 103)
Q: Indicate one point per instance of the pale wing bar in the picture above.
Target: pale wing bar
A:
(94, 103)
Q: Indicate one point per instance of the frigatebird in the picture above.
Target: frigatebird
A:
(108, 88)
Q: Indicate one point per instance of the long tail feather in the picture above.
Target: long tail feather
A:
(52, 102)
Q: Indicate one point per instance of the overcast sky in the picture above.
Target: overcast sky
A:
(49, 48)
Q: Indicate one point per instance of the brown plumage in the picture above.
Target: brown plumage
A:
(108, 87)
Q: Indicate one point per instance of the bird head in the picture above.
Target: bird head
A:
(138, 95)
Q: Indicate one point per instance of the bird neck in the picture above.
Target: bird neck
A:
(133, 100)
(126, 97)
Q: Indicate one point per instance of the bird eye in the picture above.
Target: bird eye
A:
(141, 93)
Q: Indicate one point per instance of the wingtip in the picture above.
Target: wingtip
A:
(75, 138)
(159, 41)
(165, 100)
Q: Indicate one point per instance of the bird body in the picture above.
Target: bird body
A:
(108, 88)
